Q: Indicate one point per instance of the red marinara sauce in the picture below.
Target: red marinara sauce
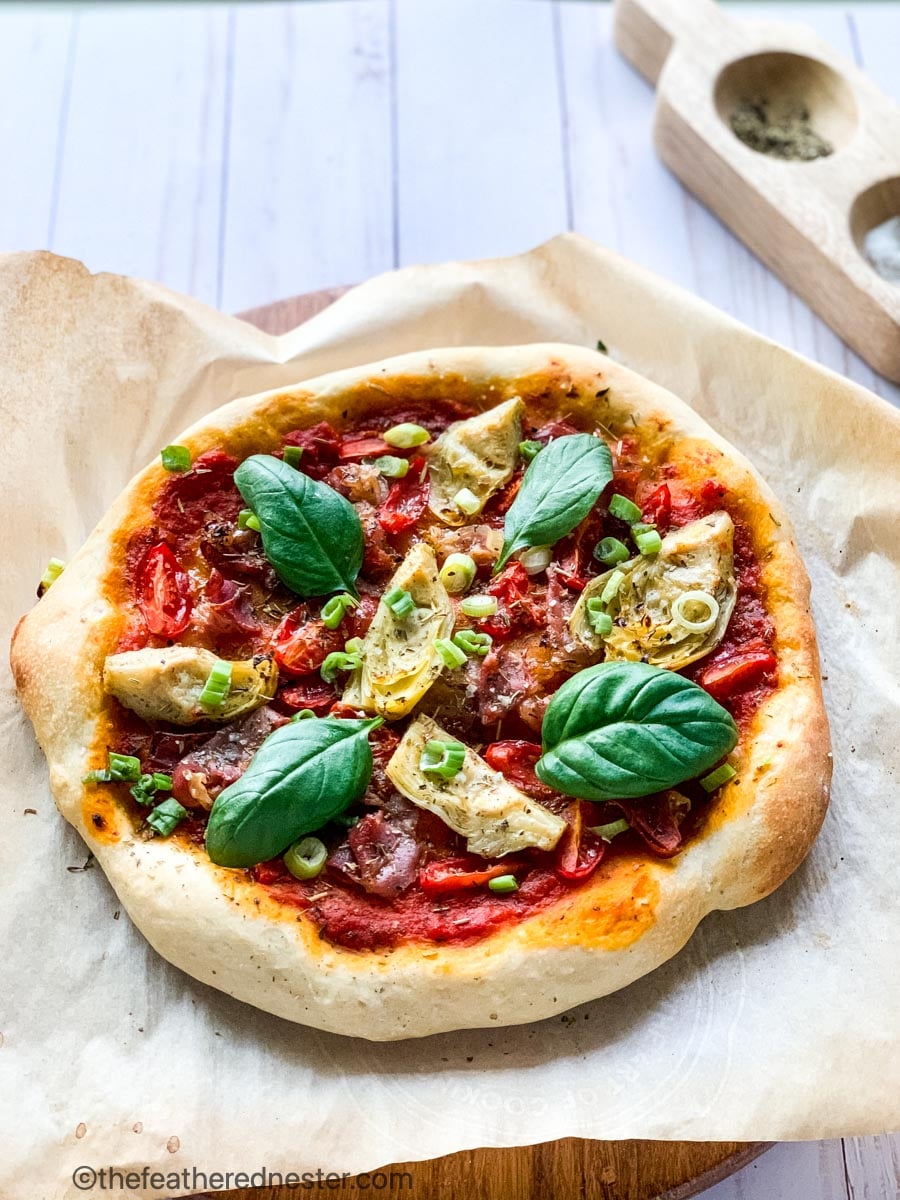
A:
(201, 563)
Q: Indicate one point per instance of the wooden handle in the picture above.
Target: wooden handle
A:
(646, 30)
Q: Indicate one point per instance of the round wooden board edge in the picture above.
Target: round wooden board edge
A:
(595, 1163)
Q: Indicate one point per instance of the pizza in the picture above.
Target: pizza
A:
(450, 691)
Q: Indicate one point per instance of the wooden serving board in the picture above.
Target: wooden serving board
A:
(805, 220)
(570, 1169)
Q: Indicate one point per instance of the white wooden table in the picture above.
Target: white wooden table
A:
(247, 152)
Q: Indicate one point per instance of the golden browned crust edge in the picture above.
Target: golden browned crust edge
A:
(212, 924)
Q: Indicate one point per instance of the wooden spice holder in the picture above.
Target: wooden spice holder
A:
(805, 220)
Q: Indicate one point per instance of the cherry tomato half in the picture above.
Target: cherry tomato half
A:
(163, 592)
(302, 645)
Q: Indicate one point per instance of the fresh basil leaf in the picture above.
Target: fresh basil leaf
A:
(627, 729)
(558, 490)
(311, 535)
(304, 774)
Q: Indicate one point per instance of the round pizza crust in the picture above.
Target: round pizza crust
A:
(633, 915)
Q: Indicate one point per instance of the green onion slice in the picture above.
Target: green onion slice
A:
(247, 519)
(624, 509)
(466, 501)
(503, 884)
(303, 715)
(406, 436)
(392, 467)
(697, 611)
(217, 687)
(611, 587)
(400, 602)
(336, 609)
(451, 655)
(306, 858)
(124, 768)
(479, 606)
(442, 758)
(472, 642)
(611, 829)
(144, 790)
(103, 776)
(457, 573)
(599, 620)
(649, 542)
(52, 572)
(611, 551)
(530, 450)
(166, 816)
(338, 661)
(176, 458)
(292, 455)
(717, 777)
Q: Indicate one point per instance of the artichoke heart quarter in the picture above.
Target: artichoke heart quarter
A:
(399, 661)
(648, 611)
(477, 802)
(478, 455)
(166, 684)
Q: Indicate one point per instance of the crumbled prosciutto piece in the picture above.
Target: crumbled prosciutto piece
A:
(358, 481)
(311, 692)
(519, 677)
(206, 493)
(657, 819)
(222, 759)
(237, 552)
(386, 851)
(224, 615)
(321, 445)
(380, 558)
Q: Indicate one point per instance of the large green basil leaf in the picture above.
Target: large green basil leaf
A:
(558, 491)
(626, 729)
(312, 536)
(304, 774)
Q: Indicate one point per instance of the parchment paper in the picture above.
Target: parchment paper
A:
(778, 1021)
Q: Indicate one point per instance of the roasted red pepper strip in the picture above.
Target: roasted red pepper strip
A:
(458, 875)
(164, 592)
(657, 508)
(406, 500)
(518, 608)
(302, 645)
(739, 673)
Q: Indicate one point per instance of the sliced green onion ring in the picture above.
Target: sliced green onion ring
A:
(717, 777)
(611, 551)
(217, 686)
(450, 655)
(303, 715)
(470, 641)
(176, 458)
(306, 858)
(479, 606)
(391, 466)
(648, 543)
(503, 884)
(406, 436)
(610, 830)
(457, 573)
(52, 572)
(696, 623)
(353, 646)
(400, 602)
(598, 619)
(335, 609)
(530, 450)
(442, 758)
(124, 768)
(611, 587)
(624, 509)
(338, 661)
(292, 455)
(166, 816)
(466, 501)
(536, 559)
(247, 519)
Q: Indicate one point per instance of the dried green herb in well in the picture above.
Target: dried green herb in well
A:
(782, 130)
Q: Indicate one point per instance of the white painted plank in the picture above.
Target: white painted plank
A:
(35, 53)
(873, 1167)
(140, 182)
(479, 149)
(789, 1171)
(309, 190)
